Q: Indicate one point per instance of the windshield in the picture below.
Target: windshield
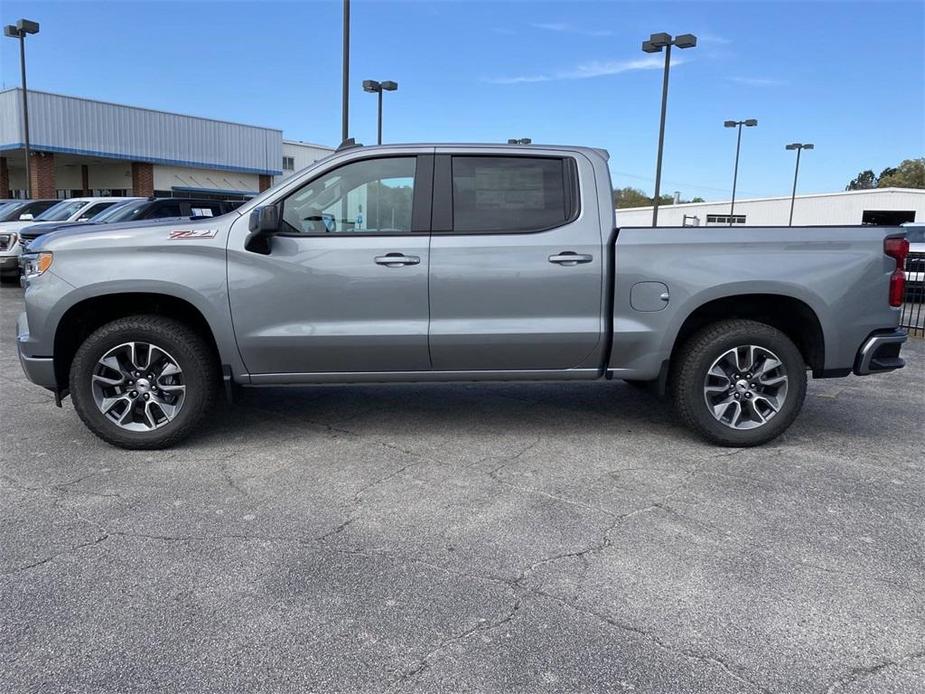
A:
(10, 211)
(107, 214)
(62, 211)
(123, 213)
(915, 234)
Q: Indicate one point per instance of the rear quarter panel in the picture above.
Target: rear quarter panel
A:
(841, 273)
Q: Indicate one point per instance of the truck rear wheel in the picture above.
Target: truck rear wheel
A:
(739, 382)
(143, 381)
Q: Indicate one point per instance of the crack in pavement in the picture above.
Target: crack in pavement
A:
(483, 625)
(859, 673)
(650, 636)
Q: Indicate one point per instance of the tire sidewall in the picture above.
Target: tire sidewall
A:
(174, 338)
(703, 359)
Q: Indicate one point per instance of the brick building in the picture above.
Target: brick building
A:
(82, 147)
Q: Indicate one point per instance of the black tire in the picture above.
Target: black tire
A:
(698, 354)
(201, 376)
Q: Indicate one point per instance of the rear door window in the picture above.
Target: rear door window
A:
(511, 194)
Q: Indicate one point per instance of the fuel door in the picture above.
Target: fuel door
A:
(649, 296)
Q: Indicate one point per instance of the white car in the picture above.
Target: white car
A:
(915, 262)
(70, 210)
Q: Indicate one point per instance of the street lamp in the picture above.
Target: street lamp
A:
(799, 147)
(749, 123)
(655, 44)
(374, 87)
(19, 31)
(345, 76)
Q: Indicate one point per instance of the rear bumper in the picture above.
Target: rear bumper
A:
(880, 353)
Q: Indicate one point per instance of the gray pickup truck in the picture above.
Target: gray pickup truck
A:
(453, 263)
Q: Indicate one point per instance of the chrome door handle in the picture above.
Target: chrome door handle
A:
(570, 258)
(397, 259)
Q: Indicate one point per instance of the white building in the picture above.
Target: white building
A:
(875, 206)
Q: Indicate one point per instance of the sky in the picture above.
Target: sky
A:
(848, 77)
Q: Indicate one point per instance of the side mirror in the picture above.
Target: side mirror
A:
(262, 224)
(264, 221)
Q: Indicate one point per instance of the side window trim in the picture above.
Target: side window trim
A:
(443, 194)
(421, 201)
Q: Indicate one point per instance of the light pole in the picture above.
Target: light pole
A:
(655, 44)
(749, 123)
(345, 85)
(799, 147)
(374, 87)
(19, 31)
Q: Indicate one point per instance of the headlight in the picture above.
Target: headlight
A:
(35, 264)
(7, 241)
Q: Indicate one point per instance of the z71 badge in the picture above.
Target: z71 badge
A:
(180, 235)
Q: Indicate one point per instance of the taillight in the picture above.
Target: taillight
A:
(897, 249)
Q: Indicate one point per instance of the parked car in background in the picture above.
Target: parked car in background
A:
(13, 215)
(165, 208)
(431, 263)
(123, 211)
(23, 210)
(915, 263)
(33, 231)
(70, 210)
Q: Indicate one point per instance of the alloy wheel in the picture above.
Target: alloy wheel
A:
(138, 386)
(745, 387)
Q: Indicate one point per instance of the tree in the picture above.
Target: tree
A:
(633, 197)
(630, 197)
(863, 181)
(909, 174)
(697, 200)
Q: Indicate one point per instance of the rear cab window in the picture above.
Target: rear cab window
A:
(511, 194)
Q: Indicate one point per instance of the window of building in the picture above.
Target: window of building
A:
(510, 194)
(724, 219)
(887, 217)
(372, 195)
(288, 163)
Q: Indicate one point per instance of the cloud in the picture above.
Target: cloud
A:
(588, 70)
(713, 38)
(566, 28)
(759, 81)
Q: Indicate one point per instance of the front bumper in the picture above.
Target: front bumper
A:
(9, 263)
(39, 370)
(880, 353)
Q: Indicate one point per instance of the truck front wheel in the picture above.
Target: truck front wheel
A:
(143, 381)
(739, 382)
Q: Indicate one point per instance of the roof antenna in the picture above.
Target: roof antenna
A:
(349, 143)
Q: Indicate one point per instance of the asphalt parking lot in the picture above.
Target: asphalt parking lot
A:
(465, 538)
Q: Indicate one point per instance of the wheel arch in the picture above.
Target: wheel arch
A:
(792, 316)
(87, 314)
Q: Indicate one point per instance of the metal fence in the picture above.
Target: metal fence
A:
(912, 317)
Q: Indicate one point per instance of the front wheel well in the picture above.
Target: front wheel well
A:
(84, 317)
(791, 316)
